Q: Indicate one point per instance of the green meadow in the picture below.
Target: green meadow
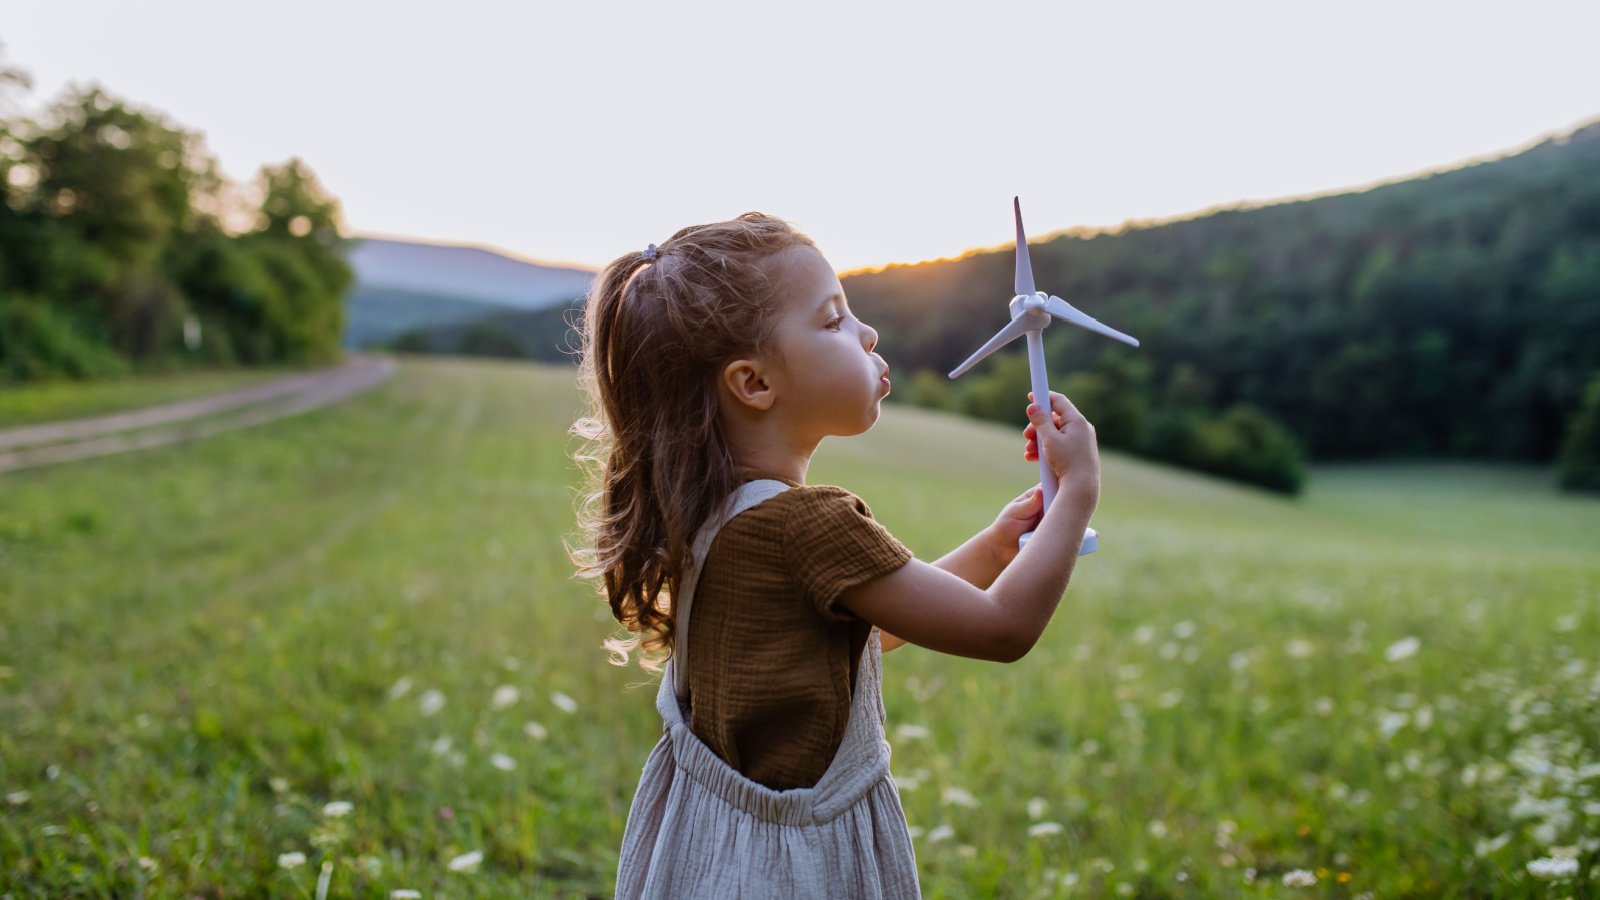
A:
(342, 654)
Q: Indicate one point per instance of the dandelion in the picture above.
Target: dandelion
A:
(1299, 878)
(943, 833)
(466, 862)
(535, 730)
(954, 796)
(430, 702)
(1037, 807)
(294, 859)
(1402, 649)
(563, 702)
(502, 762)
(1044, 829)
(400, 688)
(911, 732)
(337, 809)
(1553, 869)
(505, 695)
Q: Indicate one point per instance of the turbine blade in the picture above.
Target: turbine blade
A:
(1066, 312)
(1024, 282)
(1017, 328)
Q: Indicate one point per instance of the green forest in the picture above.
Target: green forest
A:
(1455, 315)
(124, 249)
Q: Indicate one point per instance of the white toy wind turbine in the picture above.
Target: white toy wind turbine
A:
(1031, 312)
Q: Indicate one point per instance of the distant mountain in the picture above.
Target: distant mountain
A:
(403, 285)
(468, 273)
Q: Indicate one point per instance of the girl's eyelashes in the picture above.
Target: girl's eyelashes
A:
(834, 323)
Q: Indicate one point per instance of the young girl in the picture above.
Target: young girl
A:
(714, 366)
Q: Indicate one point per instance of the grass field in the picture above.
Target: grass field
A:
(345, 648)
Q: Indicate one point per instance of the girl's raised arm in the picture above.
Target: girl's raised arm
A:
(933, 608)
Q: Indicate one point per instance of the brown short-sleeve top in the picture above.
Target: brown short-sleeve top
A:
(772, 655)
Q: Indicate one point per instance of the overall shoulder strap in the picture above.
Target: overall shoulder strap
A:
(747, 495)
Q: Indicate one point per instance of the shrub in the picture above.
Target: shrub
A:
(1580, 453)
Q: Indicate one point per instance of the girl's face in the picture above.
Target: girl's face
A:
(831, 380)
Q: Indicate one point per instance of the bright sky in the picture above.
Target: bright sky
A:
(575, 131)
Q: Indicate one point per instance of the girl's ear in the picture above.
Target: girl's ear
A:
(748, 382)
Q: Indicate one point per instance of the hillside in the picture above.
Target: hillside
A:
(1453, 314)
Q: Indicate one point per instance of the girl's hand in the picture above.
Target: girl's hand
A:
(1019, 517)
(1069, 445)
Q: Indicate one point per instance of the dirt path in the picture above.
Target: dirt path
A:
(53, 442)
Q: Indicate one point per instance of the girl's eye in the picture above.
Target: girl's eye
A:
(834, 323)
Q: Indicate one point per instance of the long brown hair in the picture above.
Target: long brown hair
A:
(655, 334)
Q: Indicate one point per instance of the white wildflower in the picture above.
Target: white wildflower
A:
(278, 785)
(441, 745)
(563, 702)
(1044, 829)
(431, 702)
(1157, 829)
(1299, 878)
(1037, 807)
(1323, 706)
(148, 864)
(405, 894)
(1299, 648)
(1423, 719)
(504, 696)
(1143, 634)
(1401, 649)
(17, 798)
(1571, 851)
(942, 833)
(1183, 630)
(535, 730)
(955, 796)
(1486, 846)
(910, 732)
(502, 762)
(400, 688)
(337, 808)
(291, 860)
(1391, 722)
(466, 862)
(1552, 869)
(1568, 622)
(1169, 699)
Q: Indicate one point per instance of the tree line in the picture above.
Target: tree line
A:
(1453, 315)
(124, 248)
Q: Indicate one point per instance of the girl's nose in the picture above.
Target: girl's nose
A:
(869, 336)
